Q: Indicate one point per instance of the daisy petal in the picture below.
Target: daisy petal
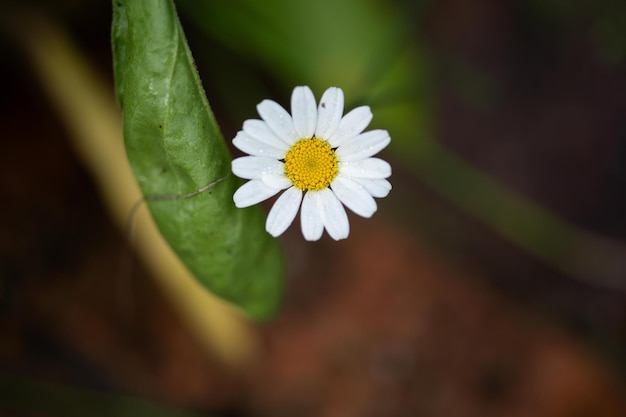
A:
(333, 214)
(260, 131)
(253, 167)
(370, 168)
(310, 220)
(303, 111)
(252, 192)
(353, 196)
(283, 211)
(278, 181)
(351, 125)
(329, 113)
(377, 188)
(249, 145)
(278, 120)
(364, 145)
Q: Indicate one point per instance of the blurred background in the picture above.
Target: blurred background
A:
(491, 282)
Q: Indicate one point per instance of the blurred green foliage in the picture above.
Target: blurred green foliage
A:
(365, 47)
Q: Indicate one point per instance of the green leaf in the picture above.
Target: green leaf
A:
(175, 147)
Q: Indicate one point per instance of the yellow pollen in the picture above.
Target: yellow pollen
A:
(311, 164)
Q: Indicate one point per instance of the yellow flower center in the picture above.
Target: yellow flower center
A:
(311, 164)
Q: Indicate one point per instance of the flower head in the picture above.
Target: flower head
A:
(318, 156)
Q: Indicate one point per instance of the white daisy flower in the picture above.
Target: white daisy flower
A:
(318, 157)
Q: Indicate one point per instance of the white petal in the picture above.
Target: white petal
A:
(333, 214)
(310, 218)
(278, 120)
(329, 113)
(377, 188)
(253, 167)
(252, 192)
(260, 131)
(353, 196)
(364, 145)
(304, 111)
(283, 212)
(278, 181)
(371, 168)
(249, 145)
(351, 125)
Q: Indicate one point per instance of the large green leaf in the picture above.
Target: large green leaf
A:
(175, 147)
